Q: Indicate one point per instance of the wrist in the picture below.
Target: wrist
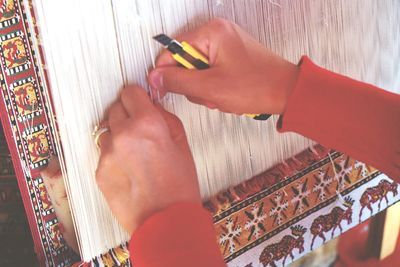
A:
(278, 80)
(290, 78)
(165, 192)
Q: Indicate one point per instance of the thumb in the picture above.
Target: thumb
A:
(192, 83)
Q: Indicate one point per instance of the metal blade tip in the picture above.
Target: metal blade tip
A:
(163, 39)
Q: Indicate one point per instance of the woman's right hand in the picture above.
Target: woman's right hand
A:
(244, 77)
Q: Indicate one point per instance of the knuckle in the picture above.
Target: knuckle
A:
(112, 111)
(132, 87)
(131, 92)
(222, 25)
(122, 138)
(115, 107)
(124, 95)
(146, 127)
(163, 58)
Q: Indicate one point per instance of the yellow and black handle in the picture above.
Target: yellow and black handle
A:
(190, 58)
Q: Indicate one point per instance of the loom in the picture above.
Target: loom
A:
(91, 49)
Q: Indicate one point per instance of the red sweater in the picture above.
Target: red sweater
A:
(358, 119)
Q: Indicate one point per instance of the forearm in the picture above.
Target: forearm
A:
(350, 116)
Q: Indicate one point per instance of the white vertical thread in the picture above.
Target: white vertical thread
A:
(92, 48)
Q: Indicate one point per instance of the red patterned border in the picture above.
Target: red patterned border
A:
(267, 179)
(259, 209)
(28, 131)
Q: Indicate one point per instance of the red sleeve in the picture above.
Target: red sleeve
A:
(338, 112)
(181, 235)
(358, 119)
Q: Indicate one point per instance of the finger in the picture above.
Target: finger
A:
(193, 83)
(104, 140)
(165, 59)
(176, 129)
(195, 38)
(135, 101)
(117, 115)
(52, 170)
(173, 122)
(103, 124)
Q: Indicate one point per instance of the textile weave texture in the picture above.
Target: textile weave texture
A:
(269, 220)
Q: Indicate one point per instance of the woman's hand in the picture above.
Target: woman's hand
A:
(145, 164)
(245, 77)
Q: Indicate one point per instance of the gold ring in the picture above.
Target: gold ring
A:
(97, 134)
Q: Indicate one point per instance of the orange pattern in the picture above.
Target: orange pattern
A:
(14, 52)
(7, 10)
(296, 195)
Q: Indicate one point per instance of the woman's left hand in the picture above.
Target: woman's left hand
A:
(145, 164)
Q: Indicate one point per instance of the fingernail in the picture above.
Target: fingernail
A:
(156, 84)
(156, 80)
